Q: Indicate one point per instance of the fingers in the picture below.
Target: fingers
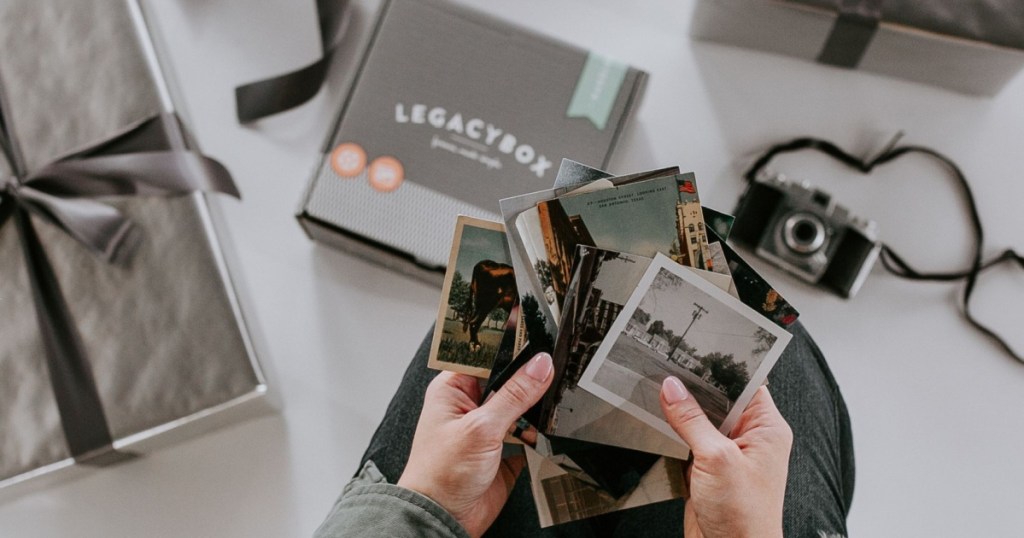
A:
(762, 415)
(517, 395)
(687, 418)
(456, 394)
(763, 405)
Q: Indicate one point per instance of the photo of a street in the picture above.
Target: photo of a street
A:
(635, 372)
(678, 323)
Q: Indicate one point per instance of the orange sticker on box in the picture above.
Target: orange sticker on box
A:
(348, 160)
(386, 174)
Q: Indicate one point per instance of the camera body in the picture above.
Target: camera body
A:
(803, 231)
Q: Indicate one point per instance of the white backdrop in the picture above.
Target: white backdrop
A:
(938, 412)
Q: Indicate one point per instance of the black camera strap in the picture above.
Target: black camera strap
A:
(894, 263)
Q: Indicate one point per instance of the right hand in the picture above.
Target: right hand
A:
(736, 485)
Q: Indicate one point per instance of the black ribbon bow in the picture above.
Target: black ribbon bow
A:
(137, 161)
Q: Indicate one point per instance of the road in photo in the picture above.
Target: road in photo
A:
(635, 372)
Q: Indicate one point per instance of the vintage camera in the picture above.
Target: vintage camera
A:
(803, 231)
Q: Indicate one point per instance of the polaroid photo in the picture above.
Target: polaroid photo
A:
(602, 282)
(726, 352)
(562, 494)
(477, 299)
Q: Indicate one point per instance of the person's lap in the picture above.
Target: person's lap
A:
(821, 471)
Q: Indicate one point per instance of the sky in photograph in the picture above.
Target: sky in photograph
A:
(719, 329)
(639, 218)
(479, 244)
(618, 278)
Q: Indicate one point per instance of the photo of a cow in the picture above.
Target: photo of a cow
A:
(478, 300)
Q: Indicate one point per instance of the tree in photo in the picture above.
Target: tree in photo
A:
(657, 328)
(731, 375)
(665, 280)
(641, 317)
(543, 269)
(459, 297)
(763, 342)
(536, 329)
(497, 318)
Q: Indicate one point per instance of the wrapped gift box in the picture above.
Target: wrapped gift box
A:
(450, 111)
(166, 344)
(970, 46)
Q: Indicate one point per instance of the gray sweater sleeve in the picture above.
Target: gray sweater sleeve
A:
(370, 507)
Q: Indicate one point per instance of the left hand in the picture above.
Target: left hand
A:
(456, 452)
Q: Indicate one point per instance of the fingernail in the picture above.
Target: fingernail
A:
(674, 390)
(539, 367)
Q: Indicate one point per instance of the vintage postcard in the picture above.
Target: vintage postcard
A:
(720, 223)
(726, 350)
(753, 289)
(477, 299)
(663, 215)
(563, 493)
(693, 237)
(528, 228)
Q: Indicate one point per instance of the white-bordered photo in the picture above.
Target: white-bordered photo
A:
(677, 323)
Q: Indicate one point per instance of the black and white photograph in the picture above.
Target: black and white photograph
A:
(678, 324)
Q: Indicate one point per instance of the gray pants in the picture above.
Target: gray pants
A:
(821, 468)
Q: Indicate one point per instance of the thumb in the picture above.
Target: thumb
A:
(518, 394)
(684, 414)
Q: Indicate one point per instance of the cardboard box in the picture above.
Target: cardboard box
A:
(970, 46)
(450, 111)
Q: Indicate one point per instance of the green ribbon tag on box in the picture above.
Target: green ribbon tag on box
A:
(596, 90)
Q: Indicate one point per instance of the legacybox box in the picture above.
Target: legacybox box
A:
(120, 326)
(451, 111)
(970, 46)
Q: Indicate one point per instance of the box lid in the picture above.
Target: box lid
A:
(467, 109)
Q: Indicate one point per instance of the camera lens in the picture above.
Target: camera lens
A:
(804, 233)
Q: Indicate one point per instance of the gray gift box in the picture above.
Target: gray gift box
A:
(472, 110)
(969, 46)
(164, 334)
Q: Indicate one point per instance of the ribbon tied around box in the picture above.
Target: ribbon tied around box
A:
(855, 27)
(137, 161)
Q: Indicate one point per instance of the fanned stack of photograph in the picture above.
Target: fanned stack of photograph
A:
(624, 281)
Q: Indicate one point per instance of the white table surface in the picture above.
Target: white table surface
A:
(938, 411)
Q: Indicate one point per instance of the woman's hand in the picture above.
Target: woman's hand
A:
(736, 485)
(456, 452)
